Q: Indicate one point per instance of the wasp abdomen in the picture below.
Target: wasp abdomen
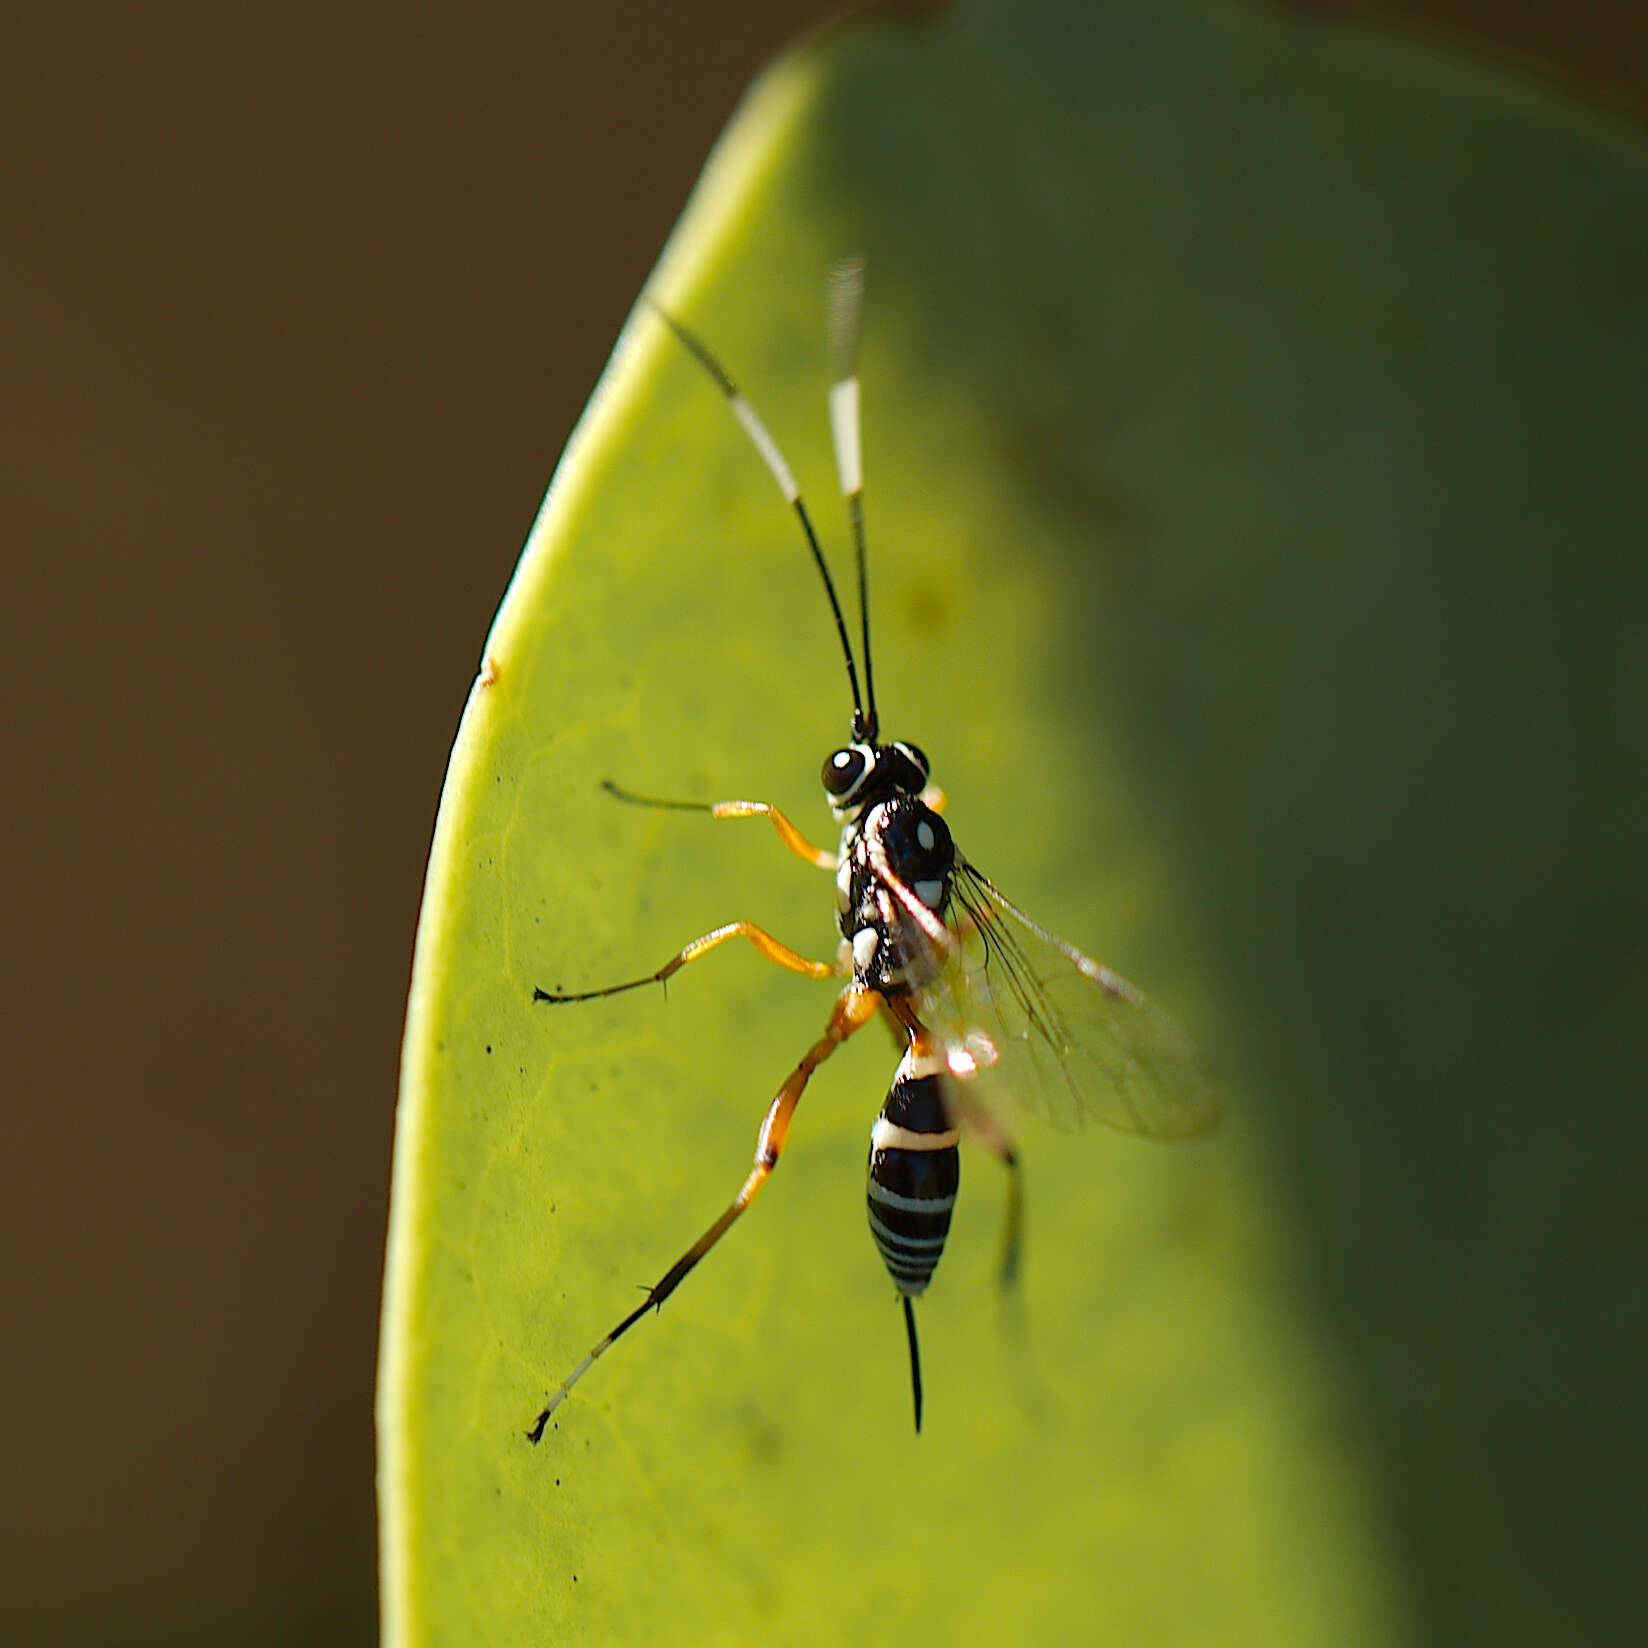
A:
(915, 1169)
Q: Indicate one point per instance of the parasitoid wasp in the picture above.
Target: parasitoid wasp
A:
(986, 1002)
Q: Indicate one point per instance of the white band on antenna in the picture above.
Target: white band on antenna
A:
(767, 447)
(849, 462)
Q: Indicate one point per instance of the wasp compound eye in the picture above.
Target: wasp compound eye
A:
(846, 770)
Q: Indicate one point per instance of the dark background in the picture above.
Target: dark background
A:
(297, 307)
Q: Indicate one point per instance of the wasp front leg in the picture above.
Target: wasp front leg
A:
(781, 822)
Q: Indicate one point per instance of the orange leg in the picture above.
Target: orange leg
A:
(758, 936)
(787, 832)
(854, 1008)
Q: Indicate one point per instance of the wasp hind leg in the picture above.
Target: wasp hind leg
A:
(854, 1008)
(1032, 1392)
(986, 1129)
(1012, 1228)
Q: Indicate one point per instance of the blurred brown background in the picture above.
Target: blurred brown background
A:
(297, 307)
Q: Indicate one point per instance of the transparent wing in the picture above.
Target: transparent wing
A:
(1034, 1024)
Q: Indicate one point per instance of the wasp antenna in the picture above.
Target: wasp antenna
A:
(780, 470)
(915, 1355)
(846, 304)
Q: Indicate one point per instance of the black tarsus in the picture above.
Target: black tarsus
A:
(915, 1355)
(630, 796)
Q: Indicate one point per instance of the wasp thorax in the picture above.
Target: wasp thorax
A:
(917, 843)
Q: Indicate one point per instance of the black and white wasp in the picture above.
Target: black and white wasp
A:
(995, 1013)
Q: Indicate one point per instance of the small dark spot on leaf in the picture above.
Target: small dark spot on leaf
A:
(926, 607)
(489, 1047)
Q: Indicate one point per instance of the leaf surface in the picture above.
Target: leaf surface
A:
(1224, 393)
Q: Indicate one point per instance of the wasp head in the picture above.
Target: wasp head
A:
(861, 774)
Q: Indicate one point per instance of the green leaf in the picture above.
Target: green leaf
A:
(1250, 410)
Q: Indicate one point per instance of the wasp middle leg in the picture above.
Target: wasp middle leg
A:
(773, 949)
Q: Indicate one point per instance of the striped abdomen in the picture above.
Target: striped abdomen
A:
(914, 1171)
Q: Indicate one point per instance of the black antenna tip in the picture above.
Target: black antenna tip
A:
(695, 346)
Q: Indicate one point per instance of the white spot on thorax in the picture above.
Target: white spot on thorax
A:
(931, 893)
(924, 834)
(865, 942)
